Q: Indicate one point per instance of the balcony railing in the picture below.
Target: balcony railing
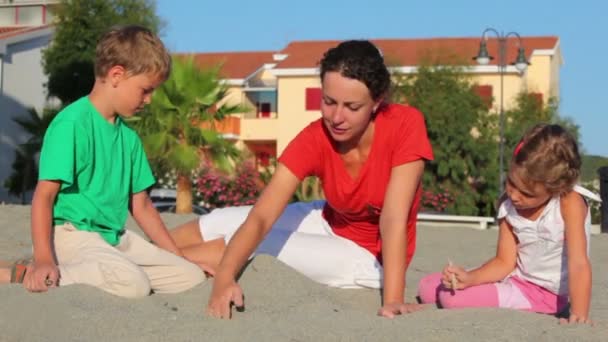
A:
(260, 115)
(257, 129)
(230, 126)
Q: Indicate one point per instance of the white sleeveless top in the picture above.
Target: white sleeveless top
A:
(541, 253)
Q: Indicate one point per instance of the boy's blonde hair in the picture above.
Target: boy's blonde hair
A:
(548, 154)
(135, 48)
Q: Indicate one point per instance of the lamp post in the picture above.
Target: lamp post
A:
(521, 63)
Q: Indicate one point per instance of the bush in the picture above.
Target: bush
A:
(217, 190)
(436, 201)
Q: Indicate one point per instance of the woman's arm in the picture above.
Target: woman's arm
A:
(265, 212)
(574, 212)
(402, 186)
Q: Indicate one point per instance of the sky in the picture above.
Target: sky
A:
(269, 25)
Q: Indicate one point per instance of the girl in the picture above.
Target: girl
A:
(369, 156)
(544, 223)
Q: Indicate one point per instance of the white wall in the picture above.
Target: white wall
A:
(21, 87)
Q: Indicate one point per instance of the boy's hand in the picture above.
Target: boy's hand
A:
(390, 310)
(224, 294)
(456, 278)
(40, 276)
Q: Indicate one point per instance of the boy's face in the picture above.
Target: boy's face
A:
(133, 92)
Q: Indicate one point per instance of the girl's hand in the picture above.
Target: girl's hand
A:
(225, 293)
(392, 309)
(574, 319)
(456, 278)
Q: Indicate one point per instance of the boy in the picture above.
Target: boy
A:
(93, 169)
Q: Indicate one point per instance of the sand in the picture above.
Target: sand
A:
(282, 305)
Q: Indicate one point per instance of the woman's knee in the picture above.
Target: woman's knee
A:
(187, 234)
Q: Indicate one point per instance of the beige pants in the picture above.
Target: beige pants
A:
(131, 269)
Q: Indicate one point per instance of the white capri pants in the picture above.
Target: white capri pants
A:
(302, 239)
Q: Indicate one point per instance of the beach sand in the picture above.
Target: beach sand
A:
(282, 305)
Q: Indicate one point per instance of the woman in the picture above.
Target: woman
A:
(369, 156)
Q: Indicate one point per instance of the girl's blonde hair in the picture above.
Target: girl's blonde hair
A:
(135, 48)
(548, 154)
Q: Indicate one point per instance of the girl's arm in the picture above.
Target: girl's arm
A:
(574, 212)
(402, 186)
(265, 212)
(497, 268)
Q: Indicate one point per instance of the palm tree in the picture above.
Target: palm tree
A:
(173, 128)
(25, 170)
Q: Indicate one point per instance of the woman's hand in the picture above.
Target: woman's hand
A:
(225, 293)
(390, 310)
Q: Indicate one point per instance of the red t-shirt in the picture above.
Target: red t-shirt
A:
(353, 205)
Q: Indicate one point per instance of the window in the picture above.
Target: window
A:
(29, 15)
(7, 16)
(313, 98)
(49, 17)
(262, 159)
(263, 110)
(538, 97)
(485, 93)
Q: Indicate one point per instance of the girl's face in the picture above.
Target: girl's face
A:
(347, 106)
(523, 195)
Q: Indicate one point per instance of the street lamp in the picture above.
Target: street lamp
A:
(521, 63)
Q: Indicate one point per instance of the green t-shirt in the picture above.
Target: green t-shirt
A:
(99, 166)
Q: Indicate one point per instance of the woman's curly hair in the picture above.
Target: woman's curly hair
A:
(360, 60)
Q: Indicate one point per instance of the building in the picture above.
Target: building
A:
(282, 88)
(24, 33)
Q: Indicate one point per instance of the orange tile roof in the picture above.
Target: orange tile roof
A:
(11, 31)
(397, 52)
(411, 52)
(235, 65)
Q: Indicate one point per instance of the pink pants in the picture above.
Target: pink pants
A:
(511, 293)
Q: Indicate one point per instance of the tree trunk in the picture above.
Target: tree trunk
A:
(183, 202)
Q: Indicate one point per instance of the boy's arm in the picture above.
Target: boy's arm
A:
(44, 266)
(148, 219)
(398, 200)
(574, 211)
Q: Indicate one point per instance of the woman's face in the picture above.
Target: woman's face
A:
(347, 106)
